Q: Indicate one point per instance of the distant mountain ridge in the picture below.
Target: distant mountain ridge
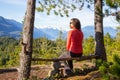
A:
(89, 30)
(9, 27)
(12, 28)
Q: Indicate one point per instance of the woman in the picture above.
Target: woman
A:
(73, 46)
(74, 40)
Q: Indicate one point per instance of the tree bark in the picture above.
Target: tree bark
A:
(26, 54)
(98, 16)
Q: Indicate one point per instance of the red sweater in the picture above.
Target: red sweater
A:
(74, 41)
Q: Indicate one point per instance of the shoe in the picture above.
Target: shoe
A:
(56, 65)
(54, 74)
(69, 72)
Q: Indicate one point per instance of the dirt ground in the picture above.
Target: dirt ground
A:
(41, 71)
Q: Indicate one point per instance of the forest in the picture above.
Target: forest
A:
(10, 49)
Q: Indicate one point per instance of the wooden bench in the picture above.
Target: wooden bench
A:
(64, 59)
(89, 57)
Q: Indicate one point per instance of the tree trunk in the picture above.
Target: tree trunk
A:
(98, 16)
(26, 54)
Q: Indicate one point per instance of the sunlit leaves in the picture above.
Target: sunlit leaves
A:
(118, 16)
(112, 3)
(64, 7)
(73, 6)
(55, 12)
(59, 7)
(40, 9)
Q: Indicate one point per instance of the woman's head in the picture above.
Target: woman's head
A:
(74, 22)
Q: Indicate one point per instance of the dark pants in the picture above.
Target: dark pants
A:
(70, 62)
(68, 65)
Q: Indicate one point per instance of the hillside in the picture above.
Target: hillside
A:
(10, 27)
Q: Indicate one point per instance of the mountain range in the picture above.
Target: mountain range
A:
(12, 28)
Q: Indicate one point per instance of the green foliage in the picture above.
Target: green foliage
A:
(34, 78)
(118, 16)
(59, 7)
(112, 4)
(2, 61)
(108, 42)
(44, 48)
(110, 71)
(88, 45)
(98, 63)
(64, 7)
(60, 44)
(118, 34)
(115, 68)
(7, 51)
(104, 69)
(107, 39)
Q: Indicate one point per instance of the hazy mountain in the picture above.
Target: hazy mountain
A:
(53, 33)
(10, 27)
(89, 30)
(49, 33)
(13, 28)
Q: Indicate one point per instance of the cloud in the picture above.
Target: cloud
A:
(15, 2)
(43, 20)
(110, 21)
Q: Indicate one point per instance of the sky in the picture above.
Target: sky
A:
(15, 9)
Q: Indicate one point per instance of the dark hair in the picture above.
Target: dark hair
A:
(76, 23)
